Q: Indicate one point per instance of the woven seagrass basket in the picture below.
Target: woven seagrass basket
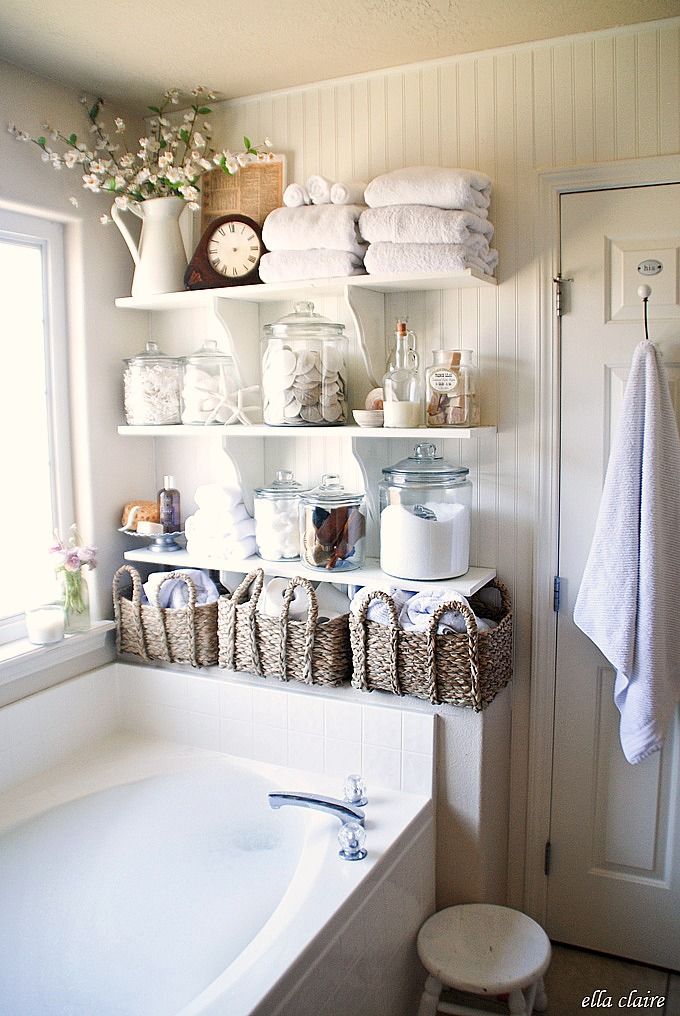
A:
(290, 649)
(174, 635)
(461, 669)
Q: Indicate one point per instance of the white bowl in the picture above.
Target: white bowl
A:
(368, 417)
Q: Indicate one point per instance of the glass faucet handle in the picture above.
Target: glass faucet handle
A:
(355, 790)
(351, 838)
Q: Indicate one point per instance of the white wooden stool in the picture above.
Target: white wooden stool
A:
(484, 950)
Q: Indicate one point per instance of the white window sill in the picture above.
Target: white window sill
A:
(20, 658)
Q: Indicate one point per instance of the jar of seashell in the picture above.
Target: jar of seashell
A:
(304, 374)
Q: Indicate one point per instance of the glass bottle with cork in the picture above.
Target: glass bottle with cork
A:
(402, 405)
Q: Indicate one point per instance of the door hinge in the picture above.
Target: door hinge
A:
(547, 853)
(559, 305)
(557, 583)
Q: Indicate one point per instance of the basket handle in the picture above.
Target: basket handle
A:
(191, 607)
(453, 606)
(310, 628)
(393, 660)
(133, 574)
(256, 580)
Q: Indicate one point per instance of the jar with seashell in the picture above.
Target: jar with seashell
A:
(304, 373)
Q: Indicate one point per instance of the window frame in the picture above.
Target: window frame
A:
(48, 236)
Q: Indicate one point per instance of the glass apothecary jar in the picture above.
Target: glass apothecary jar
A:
(277, 518)
(425, 509)
(209, 386)
(151, 387)
(451, 384)
(332, 526)
(304, 374)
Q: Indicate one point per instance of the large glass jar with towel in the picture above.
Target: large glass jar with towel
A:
(209, 386)
(425, 508)
(332, 526)
(304, 375)
(151, 386)
(277, 513)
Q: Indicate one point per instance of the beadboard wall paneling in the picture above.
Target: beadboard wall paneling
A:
(592, 98)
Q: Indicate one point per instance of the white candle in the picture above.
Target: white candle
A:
(45, 624)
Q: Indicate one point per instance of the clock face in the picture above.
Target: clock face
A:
(233, 249)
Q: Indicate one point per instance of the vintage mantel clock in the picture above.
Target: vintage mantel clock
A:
(228, 254)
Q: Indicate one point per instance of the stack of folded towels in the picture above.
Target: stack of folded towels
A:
(415, 609)
(315, 235)
(222, 527)
(428, 219)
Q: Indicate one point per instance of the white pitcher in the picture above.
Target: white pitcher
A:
(160, 258)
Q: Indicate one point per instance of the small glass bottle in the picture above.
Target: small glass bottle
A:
(402, 404)
(168, 505)
(451, 389)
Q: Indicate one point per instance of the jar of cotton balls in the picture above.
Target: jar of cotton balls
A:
(277, 509)
(151, 385)
(209, 386)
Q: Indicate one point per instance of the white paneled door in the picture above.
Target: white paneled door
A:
(614, 882)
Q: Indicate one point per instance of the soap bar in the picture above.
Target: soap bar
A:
(145, 528)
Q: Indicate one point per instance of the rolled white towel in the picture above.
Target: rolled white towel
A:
(438, 186)
(213, 496)
(393, 258)
(331, 227)
(271, 601)
(296, 195)
(378, 609)
(319, 188)
(350, 193)
(219, 523)
(287, 265)
(417, 612)
(421, 224)
(174, 593)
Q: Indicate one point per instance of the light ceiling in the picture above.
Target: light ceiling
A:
(133, 49)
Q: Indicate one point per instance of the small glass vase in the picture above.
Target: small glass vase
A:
(75, 600)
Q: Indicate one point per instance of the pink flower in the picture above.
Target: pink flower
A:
(87, 555)
(72, 562)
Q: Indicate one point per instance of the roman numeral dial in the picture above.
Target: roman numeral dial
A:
(228, 254)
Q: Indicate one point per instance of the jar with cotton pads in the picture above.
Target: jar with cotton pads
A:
(277, 511)
(151, 387)
(209, 386)
(425, 509)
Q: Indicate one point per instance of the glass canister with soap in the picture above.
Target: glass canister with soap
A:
(425, 509)
(332, 526)
(451, 386)
(277, 518)
(304, 375)
(151, 386)
(209, 386)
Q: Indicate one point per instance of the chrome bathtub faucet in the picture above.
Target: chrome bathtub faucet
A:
(341, 809)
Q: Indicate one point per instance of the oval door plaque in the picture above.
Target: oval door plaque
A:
(650, 266)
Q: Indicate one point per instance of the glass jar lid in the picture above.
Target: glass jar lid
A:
(331, 494)
(152, 354)
(304, 323)
(425, 466)
(207, 352)
(283, 485)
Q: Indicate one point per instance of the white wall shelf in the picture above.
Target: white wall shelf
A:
(370, 574)
(350, 431)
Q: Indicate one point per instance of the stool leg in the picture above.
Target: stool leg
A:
(429, 1002)
(541, 1003)
(517, 1003)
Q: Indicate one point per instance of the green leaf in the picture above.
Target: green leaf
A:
(154, 109)
(94, 112)
(72, 139)
(41, 141)
(247, 143)
(162, 143)
(204, 110)
(184, 136)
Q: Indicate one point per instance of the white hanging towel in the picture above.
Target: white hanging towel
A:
(629, 600)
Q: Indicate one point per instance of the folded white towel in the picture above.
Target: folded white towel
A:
(296, 195)
(319, 188)
(287, 265)
(416, 614)
(350, 193)
(421, 224)
(629, 595)
(174, 592)
(223, 524)
(221, 547)
(389, 258)
(332, 227)
(431, 185)
(213, 496)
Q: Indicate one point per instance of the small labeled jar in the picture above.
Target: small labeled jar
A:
(332, 527)
(151, 387)
(209, 386)
(451, 389)
(277, 518)
(304, 374)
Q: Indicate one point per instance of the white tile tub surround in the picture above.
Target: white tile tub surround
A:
(269, 721)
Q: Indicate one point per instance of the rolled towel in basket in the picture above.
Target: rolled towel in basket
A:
(438, 186)
(288, 265)
(416, 614)
(331, 227)
(350, 193)
(295, 195)
(421, 224)
(378, 609)
(319, 188)
(174, 593)
(393, 258)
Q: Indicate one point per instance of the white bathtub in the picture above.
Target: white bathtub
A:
(144, 878)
